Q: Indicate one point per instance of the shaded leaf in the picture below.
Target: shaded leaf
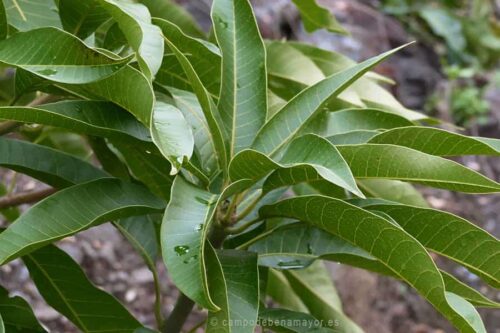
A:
(278, 288)
(393, 190)
(316, 17)
(281, 320)
(352, 138)
(82, 18)
(4, 28)
(16, 315)
(25, 14)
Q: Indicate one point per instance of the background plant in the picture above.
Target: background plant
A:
(240, 162)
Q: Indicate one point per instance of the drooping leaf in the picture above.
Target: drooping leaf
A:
(72, 210)
(281, 320)
(46, 164)
(145, 38)
(58, 56)
(243, 95)
(293, 116)
(435, 141)
(172, 135)
(393, 190)
(387, 242)
(309, 152)
(25, 15)
(316, 17)
(401, 163)
(234, 285)
(64, 286)
(82, 18)
(88, 117)
(108, 159)
(16, 315)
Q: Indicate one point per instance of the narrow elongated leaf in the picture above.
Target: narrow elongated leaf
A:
(435, 141)
(145, 38)
(387, 242)
(281, 320)
(82, 18)
(25, 14)
(352, 138)
(4, 26)
(88, 117)
(72, 210)
(172, 135)
(92, 310)
(243, 95)
(458, 287)
(46, 164)
(278, 288)
(293, 116)
(451, 236)
(315, 17)
(16, 315)
(309, 153)
(234, 286)
(62, 58)
(401, 163)
(393, 190)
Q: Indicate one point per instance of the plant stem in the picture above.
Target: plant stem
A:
(248, 209)
(158, 313)
(25, 197)
(181, 311)
(243, 227)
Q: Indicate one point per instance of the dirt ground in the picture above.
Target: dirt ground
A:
(378, 304)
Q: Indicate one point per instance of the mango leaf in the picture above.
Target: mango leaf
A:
(145, 38)
(473, 296)
(207, 105)
(234, 285)
(16, 315)
(172, 135)
(203, 56)
(315, 17)
(4, 26)
(401, 163)
(87, 117)
(293, 116)
(92, 310)
(314, 287)
(10, 213)
(393, 190)
(309, 152)
(435, 141)
(46, 164)
(172, 12)
(387, 242)
(352, 138)
(82, 18)
(279, 289)
(66, 59)
(243, 95)
(95, 202)
(25, 15)
(451, 236)
(281, 320)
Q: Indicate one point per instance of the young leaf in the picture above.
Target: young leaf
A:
(145, 38)
(16, 315)
(243, 95)
(64, 286)
(287, 122)
(234, 285)
(66, 59)
(435, 141)
(102, 119)
(387, 242)
(315, 17)
(73, 210)
(401, 163)
(82, 18)
(24, 15)
(172, 135)
(310, 153)
(46, 164)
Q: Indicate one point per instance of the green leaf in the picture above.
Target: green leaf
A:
(108, 158)
(393, 190)
(25, 15)
(82, 18)
(279, 289)
(64, 286)
(444, 24)
(401, 163)
(16, 315)
(473, 296)
(87, 117)
(435, 141)
(66, 59)
(309, 153)
(4, 27)
(243, 95)
(467, 311)
(281, 320)
(72, 210)
(10, 213)
(145, 38)
(387, 242)
(172, 135)
(315, 17)
(46, 164)
(234, 285)
(172, 12)
(450, 236)
(352, 138)
(207, 104)
(286, 123)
